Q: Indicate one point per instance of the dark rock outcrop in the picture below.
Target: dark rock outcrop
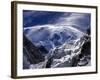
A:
(34, 55)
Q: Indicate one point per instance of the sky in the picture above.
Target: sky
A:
(32, 18)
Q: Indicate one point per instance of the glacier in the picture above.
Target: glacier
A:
(56, 46)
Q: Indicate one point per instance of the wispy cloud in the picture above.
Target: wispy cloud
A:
(79, 20)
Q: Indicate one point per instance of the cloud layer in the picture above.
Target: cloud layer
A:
(78, 20)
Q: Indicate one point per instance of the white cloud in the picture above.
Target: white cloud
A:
(75, 19)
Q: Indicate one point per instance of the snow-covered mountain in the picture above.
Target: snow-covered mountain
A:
(68, 54)
(61, 45)
(51, 36)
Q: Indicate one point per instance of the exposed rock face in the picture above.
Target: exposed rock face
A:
(34, 55)
(85, 56)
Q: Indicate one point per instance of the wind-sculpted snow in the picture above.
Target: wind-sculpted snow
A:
(61, 46)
